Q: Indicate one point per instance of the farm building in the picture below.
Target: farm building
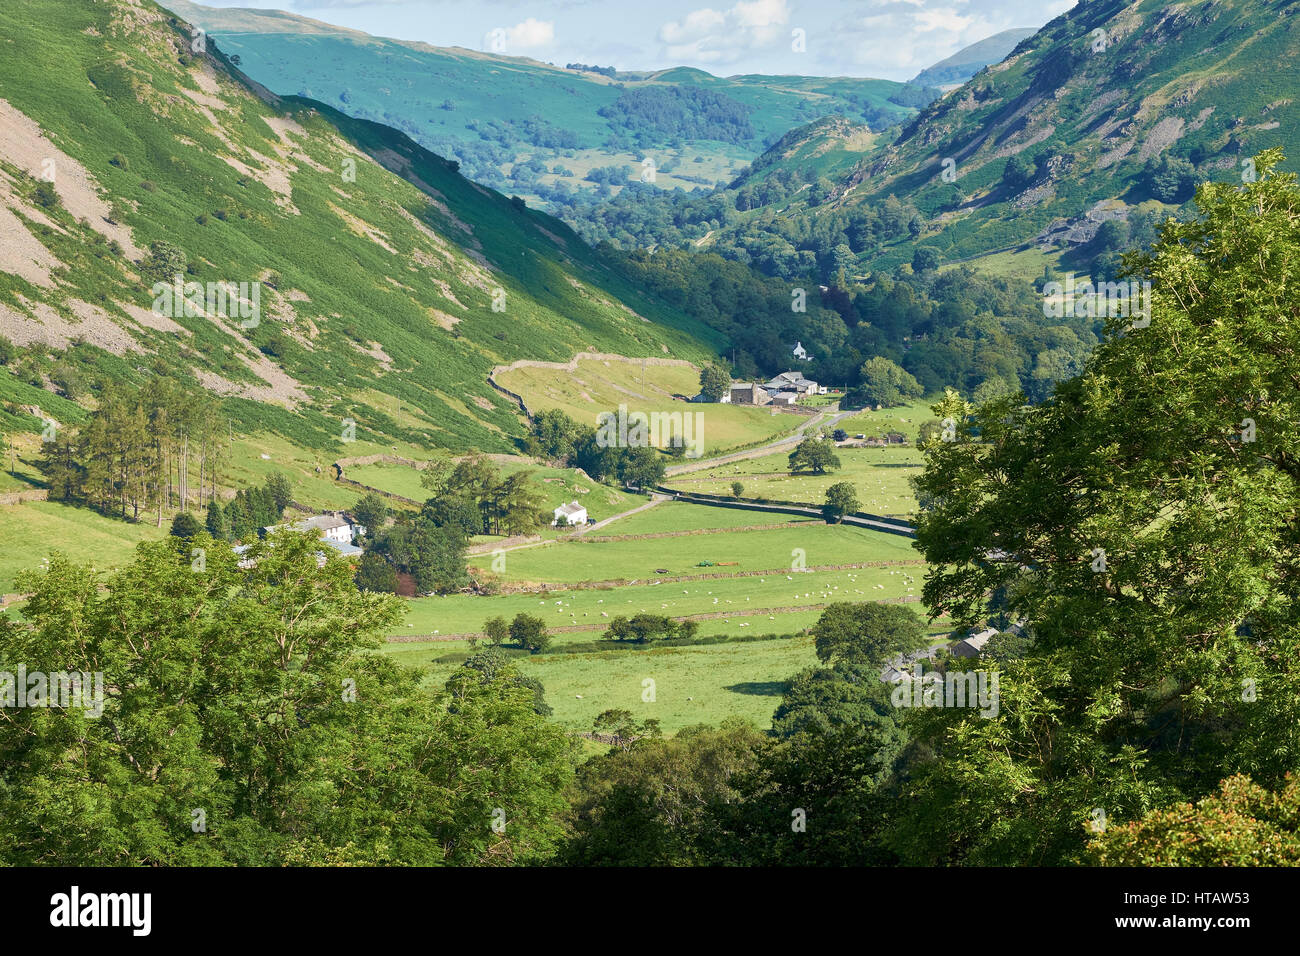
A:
(973, 644)
(785, 398)
(334, 528)
(747, 393)
(572, 513)
(793, 382)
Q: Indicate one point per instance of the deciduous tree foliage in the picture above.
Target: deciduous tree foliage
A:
(255, 697)
(1143, 523)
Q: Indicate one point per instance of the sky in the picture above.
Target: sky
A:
(890, 39)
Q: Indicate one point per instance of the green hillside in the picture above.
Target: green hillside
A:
(1112, 112)
(530, 128)
(385, 298)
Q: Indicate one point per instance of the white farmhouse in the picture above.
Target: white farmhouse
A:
(572, 513)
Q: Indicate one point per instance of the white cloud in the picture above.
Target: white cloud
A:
(724, 36)
(530, 34)
(910, 34)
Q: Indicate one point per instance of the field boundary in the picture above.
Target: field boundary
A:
(22, 497)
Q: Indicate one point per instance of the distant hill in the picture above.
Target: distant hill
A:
(966, 62)
(1112, 112)
(389, 284)
(530, 128)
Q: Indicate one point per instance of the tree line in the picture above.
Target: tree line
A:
(143, 452)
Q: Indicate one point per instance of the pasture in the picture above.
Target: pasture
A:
(880, 476)
(36, 528)
(692, 685)
(640, 559)
(598, 386)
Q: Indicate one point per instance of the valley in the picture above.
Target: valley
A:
(447, 457)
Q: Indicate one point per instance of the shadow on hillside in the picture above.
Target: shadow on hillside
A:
(762, 688)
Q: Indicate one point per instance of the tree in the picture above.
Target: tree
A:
(163, 263)
(371, 512)
(715, 382)
(185, 526)
(436, 475)
(45, 195)
(641, 468)
(493, 665)
(497, 629)
(737, 489)
(1153, 565)
(374, 573)
(456, 512)
(992, 389)
(657, 801)
(433, 555)
(886, 383)
(216, 523)
(841, 498)
(299, 706)
(1018, 173)
(554, 435)
(867, 633)
(1241, 825)
(925, 259)
(280, 490)
(641, 628)
(815, 455)
(1171, 179)
(529, 632)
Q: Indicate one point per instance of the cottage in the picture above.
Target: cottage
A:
(972, 645)
(800, 352)
(572, 514)
(747, 393)
(792, 382)
(333, 527)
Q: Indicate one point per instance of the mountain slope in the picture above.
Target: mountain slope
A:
(377, 291)
(1111, 112)
(528, 127)
(955, 70)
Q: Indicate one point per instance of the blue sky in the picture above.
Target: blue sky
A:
(893, 39)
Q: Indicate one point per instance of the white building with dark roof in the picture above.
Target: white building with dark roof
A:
(572, 513)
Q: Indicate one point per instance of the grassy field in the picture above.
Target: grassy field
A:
(601, 386)
(880, 476)
(639, 559)
(678, 516)
(906, 419)
(34, 529)
(692, 684)
(748, 596)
